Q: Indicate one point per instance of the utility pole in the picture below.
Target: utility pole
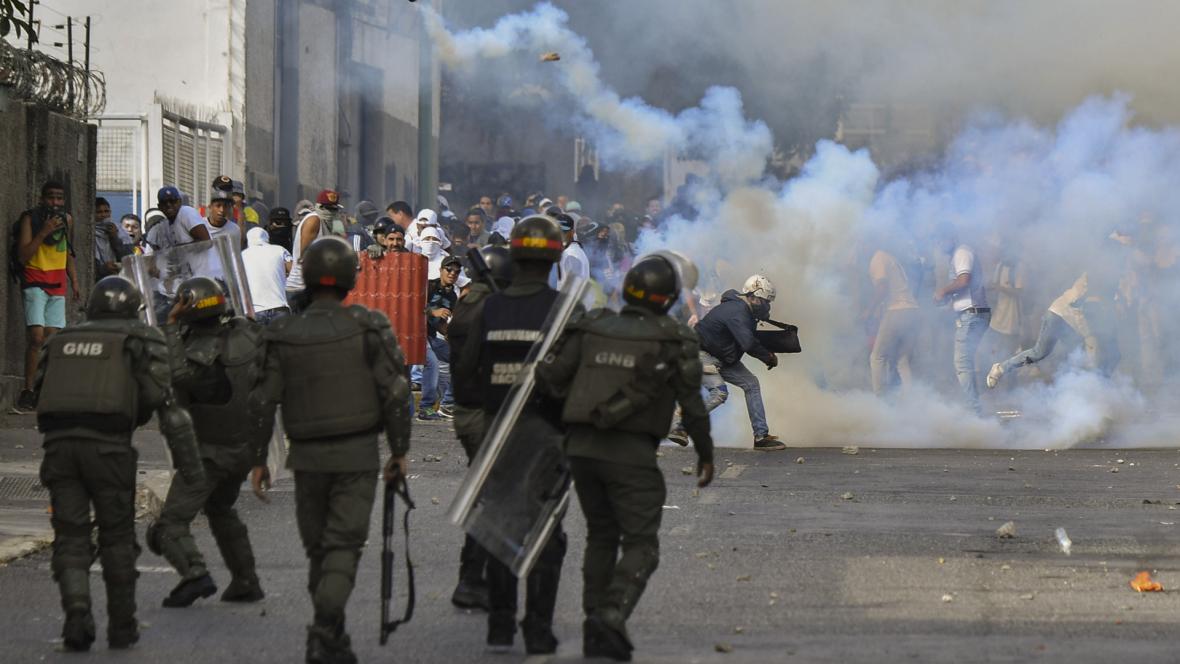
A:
(428, 107)
(32, 3)
(70, 56)
(86, 90)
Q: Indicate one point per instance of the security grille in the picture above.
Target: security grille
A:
(116, 158)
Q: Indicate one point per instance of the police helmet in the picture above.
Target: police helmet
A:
(499, 262)
(652, 283)
(536, 237)
(205, 297)
(114, 298)
(330, 261)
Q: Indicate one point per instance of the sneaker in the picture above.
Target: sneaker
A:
(769, 443)
(993, 376)
(679, 436)
(189, 591)
(25, 403)
(428, 415)
(446, 412)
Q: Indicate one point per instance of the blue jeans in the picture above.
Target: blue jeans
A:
(267, 316)
(969, 330)
(1052, 328)
(737, 374)
(436, 374)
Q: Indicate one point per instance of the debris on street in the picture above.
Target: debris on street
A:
(1063, 541)
(1006, 531)
(1142, 583)
(850, 450)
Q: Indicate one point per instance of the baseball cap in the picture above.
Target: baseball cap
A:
(328, 198)
(239, 188)
(504, 202)
(168, 193)
(566, 222)
(573, 206)
(280, 214)
(451, 260)
(222, 188)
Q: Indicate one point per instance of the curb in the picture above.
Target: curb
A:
(149, 499)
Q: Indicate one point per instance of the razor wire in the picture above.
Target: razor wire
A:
(36, 77)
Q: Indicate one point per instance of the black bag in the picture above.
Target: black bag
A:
(784, 340)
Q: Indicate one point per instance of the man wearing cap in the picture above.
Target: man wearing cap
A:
(322, 221)
(183, 225)
(243, 214)
(441, 297)
(217, 214)
(278, 228)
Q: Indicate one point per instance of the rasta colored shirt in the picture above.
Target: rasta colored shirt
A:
(47, 268)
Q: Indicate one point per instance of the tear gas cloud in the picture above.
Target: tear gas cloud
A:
(1090, 191)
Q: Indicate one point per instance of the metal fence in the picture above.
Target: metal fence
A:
(36, 77)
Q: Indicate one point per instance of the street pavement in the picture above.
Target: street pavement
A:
(807, 555)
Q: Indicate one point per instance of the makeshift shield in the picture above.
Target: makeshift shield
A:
(517, 488)
(159, 274)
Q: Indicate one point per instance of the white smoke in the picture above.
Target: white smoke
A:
(1050, 195)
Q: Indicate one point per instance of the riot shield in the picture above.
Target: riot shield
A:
(160, 273)
(518, 485)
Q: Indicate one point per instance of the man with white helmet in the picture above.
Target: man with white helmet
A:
(727, 333)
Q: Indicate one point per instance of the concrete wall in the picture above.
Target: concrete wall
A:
(38, 146)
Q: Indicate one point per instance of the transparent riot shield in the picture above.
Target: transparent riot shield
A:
(518, 485)
(159, 274)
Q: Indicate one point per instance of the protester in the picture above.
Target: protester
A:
(968, 300)
(892, 303)
(44, 251)
(267, 266)
(111, 242)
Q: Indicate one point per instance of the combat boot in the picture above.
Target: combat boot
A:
(472, 590)
(610, 634)
(190, 590)
(539, 638)
(234, 543)
(78, 632)
(119, 575)
(328, 644)
(501, 631)
(243, 590)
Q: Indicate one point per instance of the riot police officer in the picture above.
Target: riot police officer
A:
(341, 378)
(216, 360)
(496, 347)
(99, 381)
(621, 376)
(472, 592)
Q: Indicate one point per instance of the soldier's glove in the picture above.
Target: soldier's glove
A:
(375, 250)
(772, 361)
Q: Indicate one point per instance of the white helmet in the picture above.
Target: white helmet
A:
(759, 286)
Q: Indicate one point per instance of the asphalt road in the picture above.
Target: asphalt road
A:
(881, 556)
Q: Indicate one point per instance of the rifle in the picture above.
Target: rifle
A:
(480, 270)
(398, 487)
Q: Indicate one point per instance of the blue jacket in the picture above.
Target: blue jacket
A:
(727, 332)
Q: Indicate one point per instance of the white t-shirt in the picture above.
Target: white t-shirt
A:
(213, 268)
(175, 267)
(963, 262)
(267, 275)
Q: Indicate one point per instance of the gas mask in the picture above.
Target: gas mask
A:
(760, 308)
